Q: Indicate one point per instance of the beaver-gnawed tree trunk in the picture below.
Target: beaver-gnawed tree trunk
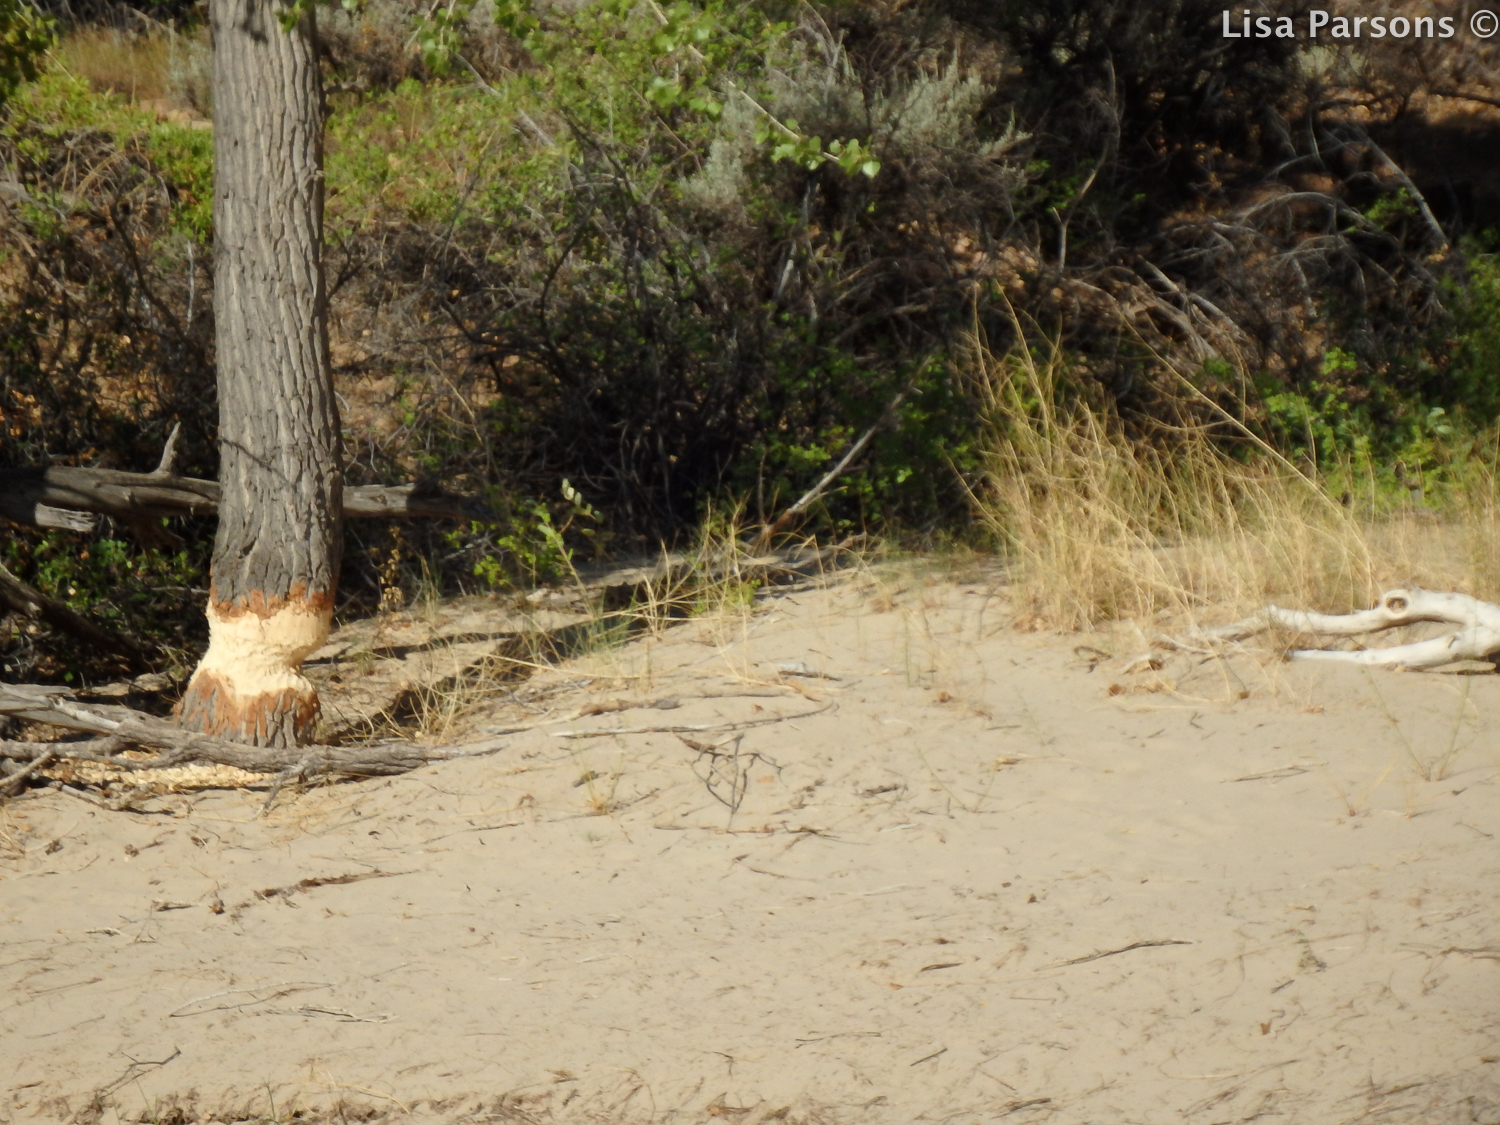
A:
(276, 557)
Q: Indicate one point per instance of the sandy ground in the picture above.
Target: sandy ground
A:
(975, 876)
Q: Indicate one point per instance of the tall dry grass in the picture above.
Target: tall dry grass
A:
(158, 68)
(1100, 527)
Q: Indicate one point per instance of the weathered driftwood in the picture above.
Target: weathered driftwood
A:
(120, 728)
(54, 497)
(1476, 638)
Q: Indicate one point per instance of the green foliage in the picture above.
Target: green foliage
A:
(144, 592)
(1317, 424)
(185, 159)
(683, 58)
(1391, 209)
(1385, 448)
(1471, 343)
(677, 285)
(535, 547)
(25, 36)
(45, 114)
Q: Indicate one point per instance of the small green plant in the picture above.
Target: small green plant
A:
(536, 547)
(1391, 210)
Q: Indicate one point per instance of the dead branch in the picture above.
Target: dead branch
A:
(17, 597)
(1480, 99)
(695, 728)
(1476, 638)
(14, 781)
(52, 496)
(412, 501)
(770, 531)
(123, 728)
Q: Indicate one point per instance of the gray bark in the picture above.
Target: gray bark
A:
(280, 511)
(280, 472)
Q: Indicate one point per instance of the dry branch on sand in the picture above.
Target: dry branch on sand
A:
(1476, 638)
(120, 728)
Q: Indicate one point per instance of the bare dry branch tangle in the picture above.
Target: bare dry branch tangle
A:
(121, 728)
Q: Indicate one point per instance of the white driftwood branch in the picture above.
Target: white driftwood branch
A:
(1476, 638)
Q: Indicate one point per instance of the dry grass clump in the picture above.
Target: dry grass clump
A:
(713, 585)
(160, 68)
(1101, 527)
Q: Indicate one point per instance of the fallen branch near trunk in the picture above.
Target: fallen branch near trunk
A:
(17, 597)
(34, 496)
(120, 728)
(55, 497)
(1476, 638)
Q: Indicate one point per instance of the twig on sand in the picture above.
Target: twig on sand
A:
(1476, 638)
(136, 1068)
(695, 728)
(1116, 952)
(1016, 1107)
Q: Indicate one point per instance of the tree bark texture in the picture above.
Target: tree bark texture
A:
(276, 555)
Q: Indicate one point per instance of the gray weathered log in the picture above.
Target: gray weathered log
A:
(56, 497)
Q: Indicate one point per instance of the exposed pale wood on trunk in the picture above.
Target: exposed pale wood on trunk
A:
(1476, 638)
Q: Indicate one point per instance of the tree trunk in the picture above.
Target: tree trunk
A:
(276, 556)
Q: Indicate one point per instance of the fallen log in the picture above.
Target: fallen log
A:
(1476, 638)
(53, 497)
(121, 728)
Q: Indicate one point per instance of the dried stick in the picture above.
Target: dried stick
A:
(696, 728)
(12, 784)
(805, 501)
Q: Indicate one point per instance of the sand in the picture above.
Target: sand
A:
(918, 867)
